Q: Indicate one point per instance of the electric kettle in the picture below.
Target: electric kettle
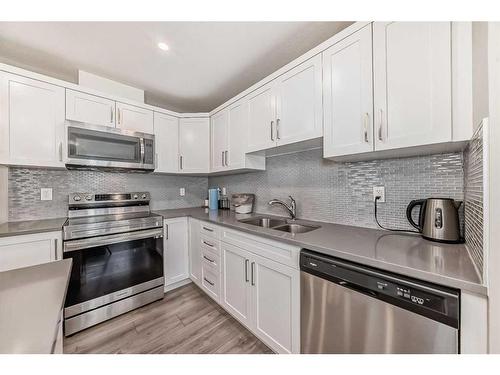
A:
(437, 220)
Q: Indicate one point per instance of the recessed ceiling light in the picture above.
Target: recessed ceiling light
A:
(163, 46)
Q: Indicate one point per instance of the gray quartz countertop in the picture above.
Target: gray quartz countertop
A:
(31, 301)
(16, 228)
(405, 254)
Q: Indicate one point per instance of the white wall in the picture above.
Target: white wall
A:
(4, 180)
(494, 181)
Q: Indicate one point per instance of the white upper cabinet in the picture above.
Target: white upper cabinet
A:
(31, 122)
(348, 95)
(219, 141)
(412, 83)
(288, 109)
(166, 131)
(194, 145)
(261, 119)
(134, 118)
(299, 103)
(89, 108)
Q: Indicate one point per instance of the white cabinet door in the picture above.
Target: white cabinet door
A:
(166, 130)
(29, 250)
(31, 122)
(412, 83)
(299, 114)
(134, 118)
(89, 108)
(276, 300)
(261, 119)
(194, 145)
(348, 95)
(237, 134)
(220, 124)
(194, 251)
(175, 250)
(236, 290)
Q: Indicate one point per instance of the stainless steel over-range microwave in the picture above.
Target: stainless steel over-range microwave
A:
(100, 147)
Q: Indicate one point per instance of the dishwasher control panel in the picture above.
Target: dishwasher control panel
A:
(424, 298)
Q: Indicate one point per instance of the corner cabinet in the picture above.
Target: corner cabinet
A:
(229, 129)
(166, 131)
(32, 119)
(288, 109)
(194, 145)
(175, 251)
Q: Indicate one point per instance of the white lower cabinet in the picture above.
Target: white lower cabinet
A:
(264, 295)
(29, 250)
(175, 251)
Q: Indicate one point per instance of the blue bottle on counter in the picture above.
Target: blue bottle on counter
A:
(213, 198)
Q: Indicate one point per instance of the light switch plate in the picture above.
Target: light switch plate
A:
(46, 194)
(182, 192)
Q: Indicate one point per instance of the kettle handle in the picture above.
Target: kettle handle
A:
(409, 209)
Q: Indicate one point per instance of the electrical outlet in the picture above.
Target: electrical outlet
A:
(182, 192)
(379, 191)
(46, 194)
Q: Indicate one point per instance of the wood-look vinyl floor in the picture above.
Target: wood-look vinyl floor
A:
(185, 321)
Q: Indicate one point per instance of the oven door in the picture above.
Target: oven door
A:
(111, 268)
(95, 147)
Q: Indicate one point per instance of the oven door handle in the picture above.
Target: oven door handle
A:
(87, 243)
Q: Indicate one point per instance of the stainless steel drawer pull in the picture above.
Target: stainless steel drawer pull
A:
(208, 243)
(210, 260)
(211, 283)
(209, 229)
(252, 271)
(225, 158)
(272, 130)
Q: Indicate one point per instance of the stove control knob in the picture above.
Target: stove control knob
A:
(88, 197)
(77, 198)
(144, 196)
(136, 196)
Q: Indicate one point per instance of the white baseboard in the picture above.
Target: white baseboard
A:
(176, 285)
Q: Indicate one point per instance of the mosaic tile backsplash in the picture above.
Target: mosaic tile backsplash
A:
(25, 184)
(343, 192)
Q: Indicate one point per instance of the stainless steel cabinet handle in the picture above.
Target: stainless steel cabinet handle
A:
(210, 260)
(166, 231)
(119, 116)
(60, 151)
(225, 158)
(111, 108)
(252, 270)
(365, 127)
(246, 270)
(55, 248)
(272, 131)
(208, 243)
(211, 283)
(209, 229)
(380, 138)
(180, 162)
(278, 129)
(222, 158)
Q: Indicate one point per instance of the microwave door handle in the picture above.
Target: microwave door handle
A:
(143, 154)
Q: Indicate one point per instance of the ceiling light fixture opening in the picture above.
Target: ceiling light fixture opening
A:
(163, 46)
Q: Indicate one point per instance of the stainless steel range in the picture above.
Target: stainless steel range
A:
(116, 244)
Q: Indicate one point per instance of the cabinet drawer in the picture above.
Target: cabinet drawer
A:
(210, 243)
(210, 230)
(210, 282)
(210, 259)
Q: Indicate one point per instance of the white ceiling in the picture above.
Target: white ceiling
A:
(208, 62)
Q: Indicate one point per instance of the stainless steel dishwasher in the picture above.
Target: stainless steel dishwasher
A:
(349, 308)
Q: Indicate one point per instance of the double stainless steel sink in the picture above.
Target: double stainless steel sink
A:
(284, 225)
